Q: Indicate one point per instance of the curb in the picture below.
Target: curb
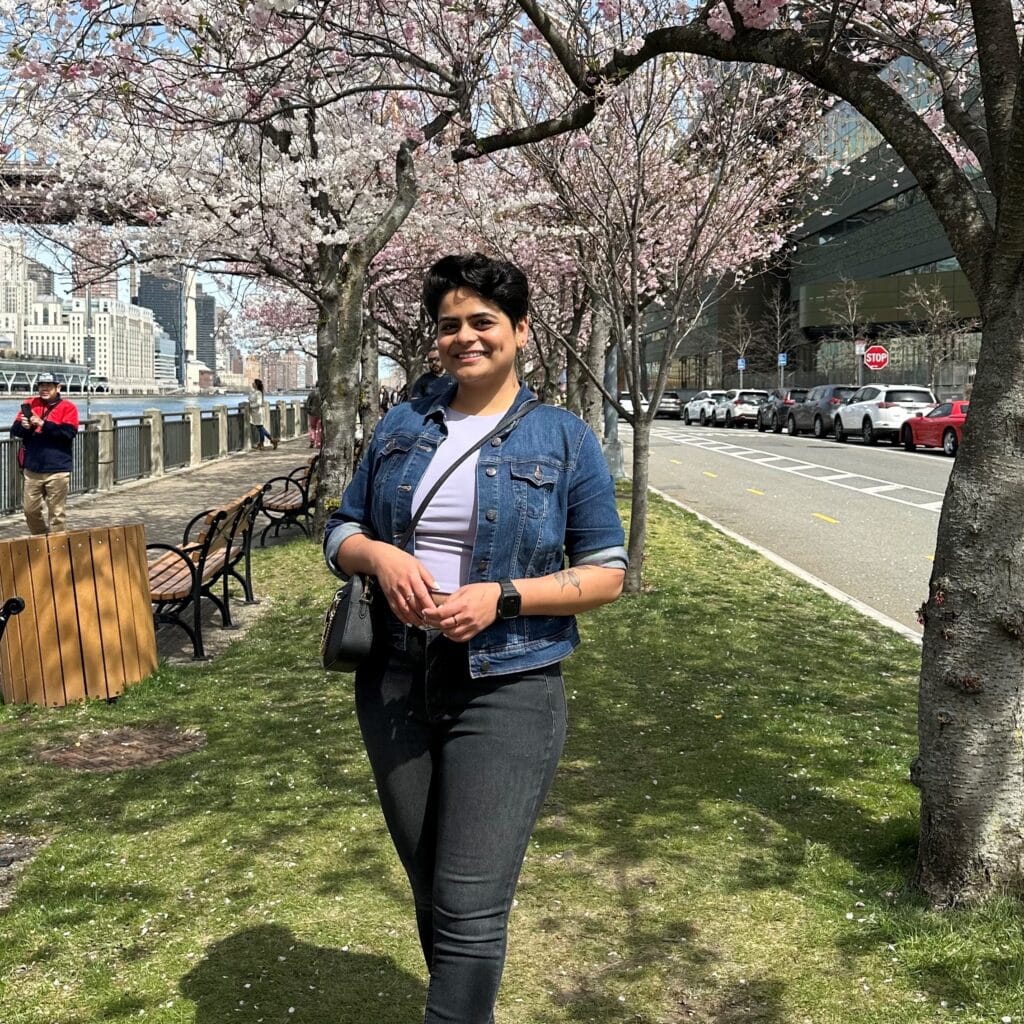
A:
(802, 574)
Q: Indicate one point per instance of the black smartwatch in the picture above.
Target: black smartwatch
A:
(510, 601)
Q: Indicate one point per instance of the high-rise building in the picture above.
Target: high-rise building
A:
(41, 274)
(206, 328)
(94, 270)
(166, 297)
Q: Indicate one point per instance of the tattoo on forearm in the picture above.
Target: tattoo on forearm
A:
(569, 578)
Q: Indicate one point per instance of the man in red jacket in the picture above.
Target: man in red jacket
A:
(47, 426)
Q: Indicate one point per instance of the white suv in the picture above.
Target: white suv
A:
(699, 407)
(740, 408)
(879, 410)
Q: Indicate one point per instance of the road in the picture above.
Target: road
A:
(862, 519)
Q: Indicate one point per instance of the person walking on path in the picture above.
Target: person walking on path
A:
(436, 381)
(313, 410)
(462, 710)
(47, 426)
(257, 412)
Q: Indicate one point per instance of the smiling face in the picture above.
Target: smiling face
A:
(478, 342)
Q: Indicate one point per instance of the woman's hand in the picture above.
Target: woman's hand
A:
(470, 610)
(405, 582)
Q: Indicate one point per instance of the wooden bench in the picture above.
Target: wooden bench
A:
(215, 549)
(289, 500)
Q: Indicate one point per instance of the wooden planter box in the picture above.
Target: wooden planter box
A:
(87, 627)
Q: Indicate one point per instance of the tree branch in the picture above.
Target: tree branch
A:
(998, 60)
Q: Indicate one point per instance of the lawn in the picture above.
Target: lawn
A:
(727, 840)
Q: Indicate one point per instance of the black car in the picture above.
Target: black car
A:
(818, 410)
(775, 411)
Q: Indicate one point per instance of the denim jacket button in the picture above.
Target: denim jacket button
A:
(495, 441)
(485, 665)
(491, 515)
(491, 471)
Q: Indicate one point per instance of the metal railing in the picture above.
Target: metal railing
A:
(177, 441)
(238, 432)
(209, 436)
(133, 449)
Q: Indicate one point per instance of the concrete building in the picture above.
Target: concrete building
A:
(206, 329)
(166, 296)
(869, 247)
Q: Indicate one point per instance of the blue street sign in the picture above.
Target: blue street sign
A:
(783, 358)
(741, 364)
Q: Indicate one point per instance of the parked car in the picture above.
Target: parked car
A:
(739, 408)
(626, 401)
(880, 410)
(817, 412)
(940, 427)
(671, 404)
(699, 407)
(774, 413)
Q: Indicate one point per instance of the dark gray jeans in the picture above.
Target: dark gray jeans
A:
(462, 767)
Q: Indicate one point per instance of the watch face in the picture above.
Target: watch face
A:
(509, 605)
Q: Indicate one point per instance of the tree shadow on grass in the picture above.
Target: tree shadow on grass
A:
(267, 974)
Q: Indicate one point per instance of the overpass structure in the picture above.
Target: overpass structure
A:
(26, 197)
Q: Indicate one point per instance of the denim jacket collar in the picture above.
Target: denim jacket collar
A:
(438, 408)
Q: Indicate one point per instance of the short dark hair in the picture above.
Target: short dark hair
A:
(498, 281)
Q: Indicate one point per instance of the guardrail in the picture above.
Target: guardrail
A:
(109, 451)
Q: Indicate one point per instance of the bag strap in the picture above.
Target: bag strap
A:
(506, 421)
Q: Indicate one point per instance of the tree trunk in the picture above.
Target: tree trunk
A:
(971, 710)
(574, 385)
(593, 400)
(338, 343)
(638, 504)
(369, 384)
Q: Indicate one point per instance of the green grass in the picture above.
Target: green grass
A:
(727, 841)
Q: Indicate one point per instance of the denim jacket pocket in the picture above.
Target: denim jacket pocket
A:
(391, 459)
(533, 484)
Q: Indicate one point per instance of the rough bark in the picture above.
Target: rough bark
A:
(338, 340)
(638, 504)
(369, 389)
(593, 399)
(574, 385)
(971, 708)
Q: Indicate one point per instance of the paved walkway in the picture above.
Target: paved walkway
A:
(166, 504)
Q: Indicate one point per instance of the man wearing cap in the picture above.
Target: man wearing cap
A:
(47, 426)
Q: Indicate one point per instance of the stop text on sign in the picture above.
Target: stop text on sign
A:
(876, 357)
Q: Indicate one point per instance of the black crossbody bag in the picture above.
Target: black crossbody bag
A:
(354, 625)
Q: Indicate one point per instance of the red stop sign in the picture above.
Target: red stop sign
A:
(876, 357)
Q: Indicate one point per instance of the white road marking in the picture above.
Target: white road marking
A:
(880, 488)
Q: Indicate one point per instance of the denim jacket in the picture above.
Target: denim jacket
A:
(544, 493)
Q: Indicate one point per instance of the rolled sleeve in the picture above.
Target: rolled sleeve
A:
(606, 558)
(354, 515)
(593, 529)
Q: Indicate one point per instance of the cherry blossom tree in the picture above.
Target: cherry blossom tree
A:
(679, 186)
(941, 83)
(277, 138)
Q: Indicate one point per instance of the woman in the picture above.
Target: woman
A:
(463, 711)
(257, 410)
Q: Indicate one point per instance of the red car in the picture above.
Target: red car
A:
(940, 427)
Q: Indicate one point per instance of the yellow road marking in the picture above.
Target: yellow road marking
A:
(931, 558)
(675, 462)
(825, 519)
(754, 490)
(714, 476)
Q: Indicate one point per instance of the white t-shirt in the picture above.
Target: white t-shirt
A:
(447, 531)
